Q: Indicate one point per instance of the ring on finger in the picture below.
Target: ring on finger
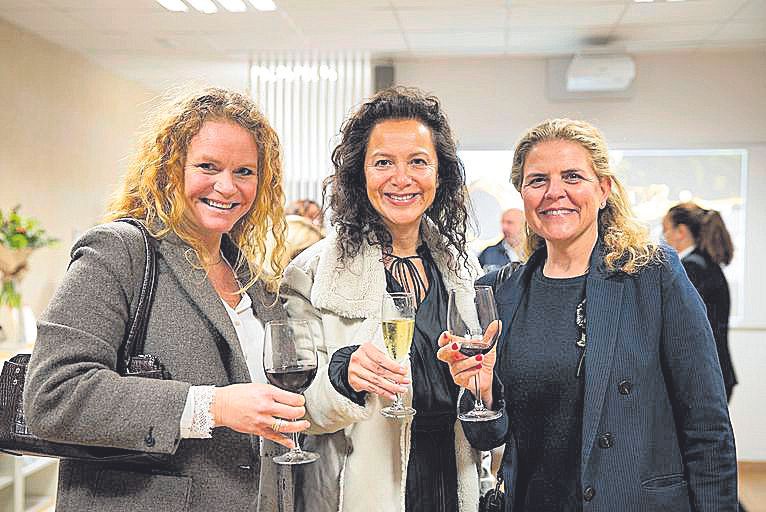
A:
(277, 425)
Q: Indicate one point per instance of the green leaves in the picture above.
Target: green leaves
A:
(16, 232)
(9, 296)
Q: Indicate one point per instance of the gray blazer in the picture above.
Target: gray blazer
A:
(74, 395)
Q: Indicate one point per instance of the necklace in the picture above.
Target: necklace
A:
(581, 342)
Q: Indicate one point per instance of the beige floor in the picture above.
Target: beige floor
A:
(752, 486)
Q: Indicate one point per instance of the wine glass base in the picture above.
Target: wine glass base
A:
(293, 458)
(480, 415)
(397, 413)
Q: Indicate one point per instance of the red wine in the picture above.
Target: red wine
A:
(294, 378)
(474, 349)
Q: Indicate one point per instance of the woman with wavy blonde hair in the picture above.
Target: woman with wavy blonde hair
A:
(207, 183)
(613, 396)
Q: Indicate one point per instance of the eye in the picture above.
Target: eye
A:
(536, 181)
(205, 166)
(572, 177)
(245, 171)
(382, 163)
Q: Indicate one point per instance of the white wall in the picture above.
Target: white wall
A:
(680, 100)
(67, 128)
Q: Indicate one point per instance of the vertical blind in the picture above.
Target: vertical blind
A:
(306, 97)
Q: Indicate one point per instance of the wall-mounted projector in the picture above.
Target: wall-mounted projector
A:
(600, 73)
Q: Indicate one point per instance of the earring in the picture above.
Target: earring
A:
(603, 205)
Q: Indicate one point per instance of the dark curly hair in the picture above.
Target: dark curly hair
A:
(353, 216)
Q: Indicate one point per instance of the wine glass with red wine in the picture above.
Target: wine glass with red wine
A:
(472, 321)
(290, 363)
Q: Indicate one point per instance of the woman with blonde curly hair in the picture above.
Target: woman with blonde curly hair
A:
(612, 395)
(207, 184)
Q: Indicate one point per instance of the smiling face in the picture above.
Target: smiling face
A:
(562, 194)
(220, 178)
(401, 169)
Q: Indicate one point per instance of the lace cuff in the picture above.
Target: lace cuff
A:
(197, 418)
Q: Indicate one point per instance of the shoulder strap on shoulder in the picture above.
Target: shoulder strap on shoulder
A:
(135, 333)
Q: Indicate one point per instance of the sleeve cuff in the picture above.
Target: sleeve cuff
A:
(338, 373)
(197, 418)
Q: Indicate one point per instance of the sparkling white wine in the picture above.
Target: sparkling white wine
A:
(397, 334)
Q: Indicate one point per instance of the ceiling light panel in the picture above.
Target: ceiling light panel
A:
(204, 6)
(233, 5)
(263, 5)
(173, 5)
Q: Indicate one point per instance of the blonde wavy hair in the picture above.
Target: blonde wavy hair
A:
(626, 241)
(153, 187)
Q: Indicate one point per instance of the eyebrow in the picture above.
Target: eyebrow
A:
(212, 160)
(421, 151)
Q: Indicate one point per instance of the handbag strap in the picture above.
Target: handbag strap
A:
(135, 333)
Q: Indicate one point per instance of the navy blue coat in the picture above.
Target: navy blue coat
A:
(656, 434)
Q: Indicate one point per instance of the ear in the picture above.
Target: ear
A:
(605, 184)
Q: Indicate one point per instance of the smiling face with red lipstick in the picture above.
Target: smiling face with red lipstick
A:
(401, 173)
(562, 194)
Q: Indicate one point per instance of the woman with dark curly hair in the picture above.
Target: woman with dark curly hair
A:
(399, 212)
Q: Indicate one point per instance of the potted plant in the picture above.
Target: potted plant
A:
(19, 236)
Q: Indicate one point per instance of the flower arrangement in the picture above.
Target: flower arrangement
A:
(19, 236)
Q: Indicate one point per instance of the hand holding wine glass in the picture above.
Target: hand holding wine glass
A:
(290, 363)
(473, 325)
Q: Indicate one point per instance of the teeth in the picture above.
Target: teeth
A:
(405, 197)
(216, 204)
(557, 212)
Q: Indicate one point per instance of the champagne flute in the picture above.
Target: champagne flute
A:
(472, 320)
(290, 363)
(398, 317)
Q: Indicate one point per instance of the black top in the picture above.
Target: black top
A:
(710, 282)
(431, 470)
(544, 395)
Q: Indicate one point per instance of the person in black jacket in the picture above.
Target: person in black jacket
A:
(703, 244)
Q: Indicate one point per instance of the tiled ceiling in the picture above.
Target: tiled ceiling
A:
(139, 38)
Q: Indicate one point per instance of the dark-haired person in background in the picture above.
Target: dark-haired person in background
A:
(703, 243)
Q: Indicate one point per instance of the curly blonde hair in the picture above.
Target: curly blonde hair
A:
(153, 187)
(626, 241)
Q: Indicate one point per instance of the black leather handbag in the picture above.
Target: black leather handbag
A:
(15, 437)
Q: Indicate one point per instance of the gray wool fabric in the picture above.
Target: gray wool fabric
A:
(74, 395)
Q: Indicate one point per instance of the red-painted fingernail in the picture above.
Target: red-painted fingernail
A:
(479, 357)
(455, 346)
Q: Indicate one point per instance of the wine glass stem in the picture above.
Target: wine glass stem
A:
(398, 401)
(479, 402)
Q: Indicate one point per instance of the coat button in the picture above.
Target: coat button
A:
(624, 387)
(606, 440)
(589, 493)
(149, 440)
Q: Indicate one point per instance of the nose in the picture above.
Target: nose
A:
(224, 184)
(401, 176)
(555, 189)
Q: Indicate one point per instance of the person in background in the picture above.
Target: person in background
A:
(607, 374)
(703, 243)
(207, 182)
(399, 212)
(509, 248)
(309, 209)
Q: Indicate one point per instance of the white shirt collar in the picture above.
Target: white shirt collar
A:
(683, 254)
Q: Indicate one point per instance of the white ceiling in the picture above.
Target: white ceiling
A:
(141, 40)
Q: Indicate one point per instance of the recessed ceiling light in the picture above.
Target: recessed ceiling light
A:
(233, 5)
(173, 5)
(264, 5)
(205, 6)
(643, 1)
